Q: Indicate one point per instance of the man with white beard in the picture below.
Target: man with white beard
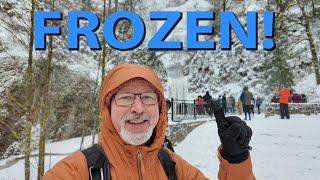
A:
(133, 115)
(135, 118)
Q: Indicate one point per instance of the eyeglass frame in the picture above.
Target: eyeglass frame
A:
(135, 94)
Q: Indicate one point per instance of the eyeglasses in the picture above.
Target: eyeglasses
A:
(127, 99)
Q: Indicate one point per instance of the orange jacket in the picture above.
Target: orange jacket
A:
(284, 95)
(123, 157)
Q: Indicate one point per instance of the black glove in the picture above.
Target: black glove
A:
(234, 135)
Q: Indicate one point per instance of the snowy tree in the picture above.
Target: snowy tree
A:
(305, 20)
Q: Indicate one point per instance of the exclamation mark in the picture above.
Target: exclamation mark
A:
(268, 42)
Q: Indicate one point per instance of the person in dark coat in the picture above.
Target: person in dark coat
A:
(303, 98)
(258, 103)
(224, 103)
(167, 142)
(296, 98)
(168, 102)
(232, 103)
(252, 106)
(207, 103)
(246, 98)
(275, 99)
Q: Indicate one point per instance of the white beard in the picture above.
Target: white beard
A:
(136, 138)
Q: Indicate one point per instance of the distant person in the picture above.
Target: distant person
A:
(169, 104)
(253, 101)
(224, 103)
(303, 98)
(296, 98)
(239, 107)
(246, 98)
(284, 94)
(199, 105)
(207, 102)
(258, 103)
(167, 142)
(232, 103)
(275, 99)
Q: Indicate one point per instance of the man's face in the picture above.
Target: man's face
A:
(135, 123)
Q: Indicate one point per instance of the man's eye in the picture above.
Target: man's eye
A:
(126, 98)
(147, 97)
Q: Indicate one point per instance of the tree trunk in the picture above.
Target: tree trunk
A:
(95, 122)
(82, 138)
(29, 107)
(27, 142)
(93, 101)
(82, 131)
(45, 107)
(224, 5)
(116, 5)
(45, 110)
(216, 22)
(102, 61)
(314, 56)
(131, 5)
(313, 8)
(104, 47)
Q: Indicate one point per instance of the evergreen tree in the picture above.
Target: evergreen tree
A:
(278, 71)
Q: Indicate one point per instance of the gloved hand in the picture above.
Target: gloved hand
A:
(234, 135)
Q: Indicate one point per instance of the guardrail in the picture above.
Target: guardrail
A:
(185, 110)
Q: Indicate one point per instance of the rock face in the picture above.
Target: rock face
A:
(294, 108)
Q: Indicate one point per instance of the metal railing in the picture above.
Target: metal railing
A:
(186, 110)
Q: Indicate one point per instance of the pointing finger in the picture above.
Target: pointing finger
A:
(219, 115)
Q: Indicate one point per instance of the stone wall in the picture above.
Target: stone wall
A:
(178, 132)
(294, 108)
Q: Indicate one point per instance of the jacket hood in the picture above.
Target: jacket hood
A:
(109, 139)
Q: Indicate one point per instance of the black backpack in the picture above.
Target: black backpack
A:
(98, 163)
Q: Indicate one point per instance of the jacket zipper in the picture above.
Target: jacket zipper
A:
(139, 155)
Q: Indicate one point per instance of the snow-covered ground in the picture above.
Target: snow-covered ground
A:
(282, 149)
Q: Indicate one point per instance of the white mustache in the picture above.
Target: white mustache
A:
(132, 116)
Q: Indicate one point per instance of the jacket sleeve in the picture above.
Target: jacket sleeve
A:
(73, 167)
(227, 171)
(232, 171)
(186, 171)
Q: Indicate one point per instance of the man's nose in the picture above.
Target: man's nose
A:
(137, 105)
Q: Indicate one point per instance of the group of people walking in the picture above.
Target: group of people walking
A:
(203, 104)
(245, 103)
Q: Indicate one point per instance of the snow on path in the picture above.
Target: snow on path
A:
(282, 149)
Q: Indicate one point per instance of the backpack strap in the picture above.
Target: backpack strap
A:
(98, 163)
(169, 166)
(99, 169)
